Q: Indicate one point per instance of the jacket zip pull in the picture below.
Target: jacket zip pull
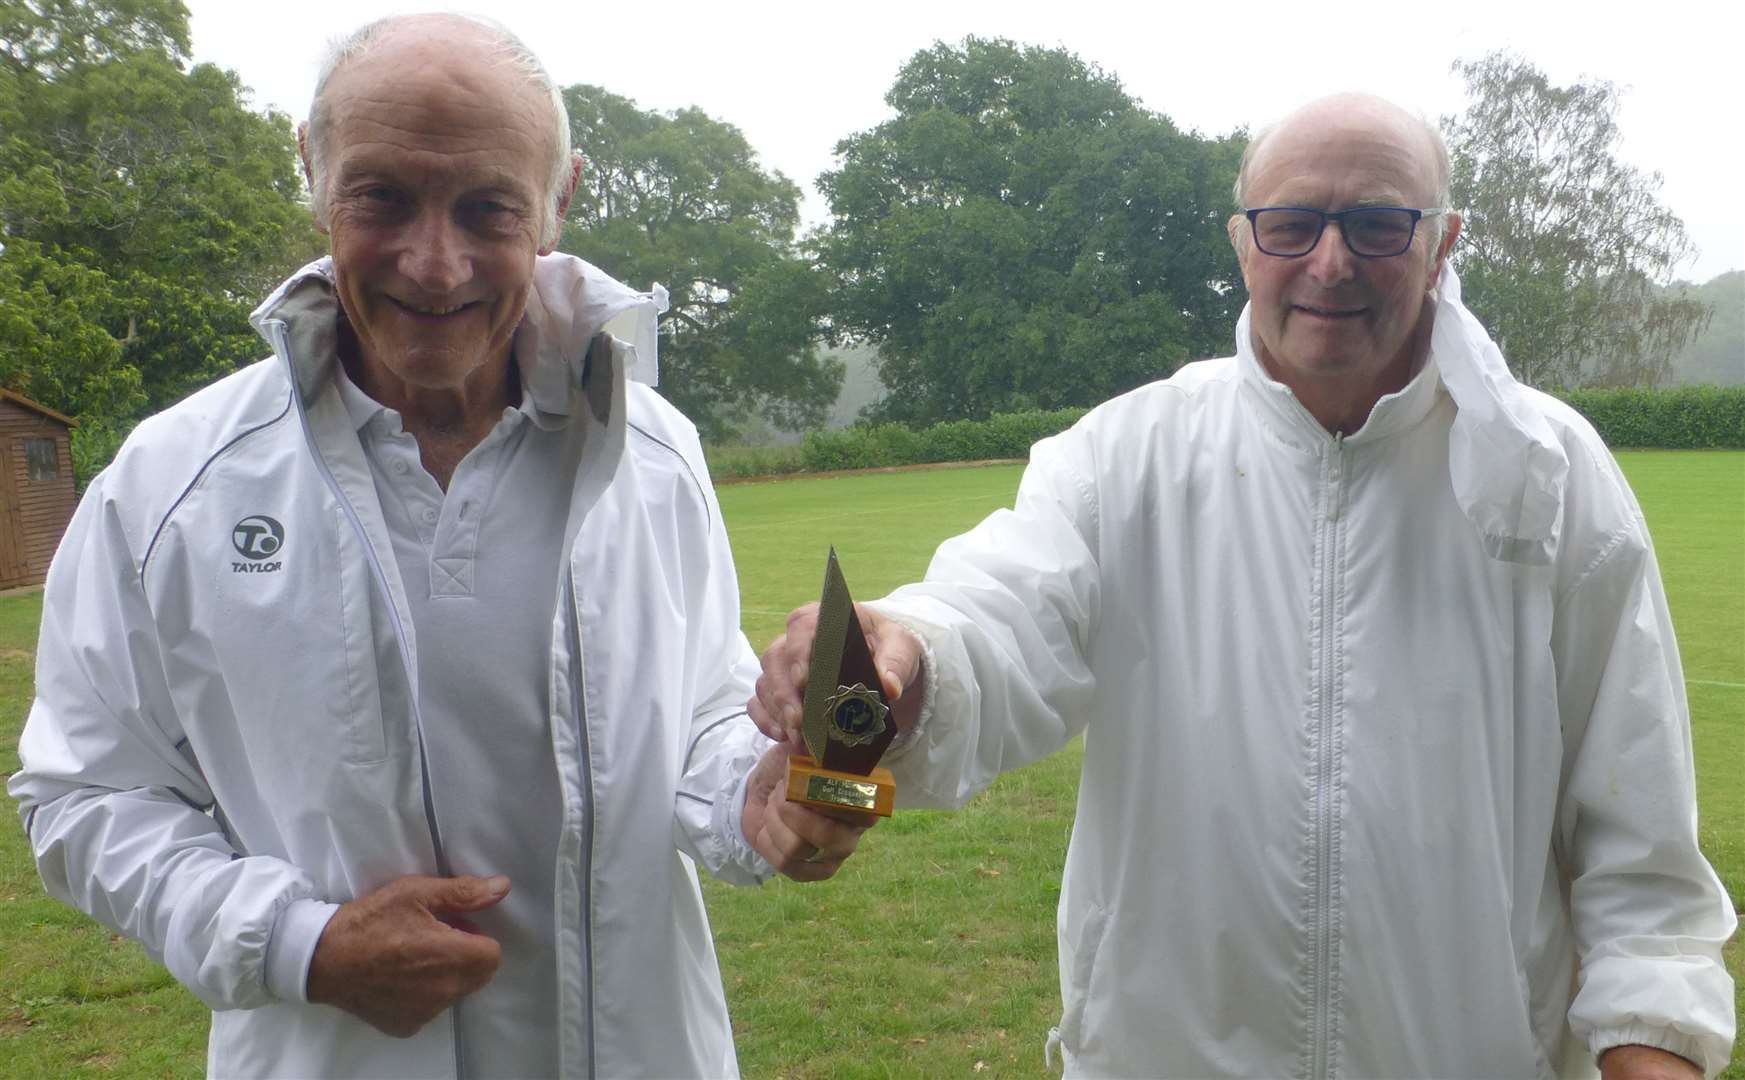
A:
(1335, 477)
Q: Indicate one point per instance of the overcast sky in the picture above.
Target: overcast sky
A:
(797, 77)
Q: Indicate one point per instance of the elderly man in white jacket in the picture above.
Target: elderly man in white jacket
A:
(391, 689)
(1387, 758)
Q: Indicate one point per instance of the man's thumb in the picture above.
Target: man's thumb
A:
(466, 893)
(898, 658)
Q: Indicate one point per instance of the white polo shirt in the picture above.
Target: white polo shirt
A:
(480, 565)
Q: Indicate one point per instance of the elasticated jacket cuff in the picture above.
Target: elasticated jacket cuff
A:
(1688, 1047)
(295, 934)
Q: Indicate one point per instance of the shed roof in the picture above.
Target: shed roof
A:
(7, 395)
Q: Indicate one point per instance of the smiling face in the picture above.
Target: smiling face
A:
(1330, 321)
(439, 160)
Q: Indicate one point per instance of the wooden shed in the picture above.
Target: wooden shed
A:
(36, 487)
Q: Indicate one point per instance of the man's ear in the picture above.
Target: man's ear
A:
(1449, 235)
(563, 200)
(320, 212)
(303, 154)
(1241, 240)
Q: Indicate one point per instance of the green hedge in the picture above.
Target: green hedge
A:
(739, 462)
(868, 446)
(1677, 418)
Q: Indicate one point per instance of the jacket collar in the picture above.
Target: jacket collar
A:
(1505, 464)
(1291, 419)
(571, 301)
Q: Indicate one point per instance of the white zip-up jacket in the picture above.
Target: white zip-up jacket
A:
(217, 735)
(1359, 798)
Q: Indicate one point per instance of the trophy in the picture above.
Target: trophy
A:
(845, 721)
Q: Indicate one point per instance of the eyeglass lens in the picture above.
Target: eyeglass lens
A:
(1377, 231)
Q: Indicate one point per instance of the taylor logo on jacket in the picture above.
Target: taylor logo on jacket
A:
(257, 538)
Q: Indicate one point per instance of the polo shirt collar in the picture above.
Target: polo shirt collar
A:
(363, 409)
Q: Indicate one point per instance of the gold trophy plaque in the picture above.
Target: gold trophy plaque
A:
(844, 719)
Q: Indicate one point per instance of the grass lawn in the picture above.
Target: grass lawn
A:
(933, 952)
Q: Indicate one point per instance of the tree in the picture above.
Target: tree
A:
(680, 199)
(1024, 235)
(1564, 246)
(50, 37)
(145, 207)
(53, 346)
(1716, 356)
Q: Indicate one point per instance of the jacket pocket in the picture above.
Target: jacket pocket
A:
(1077, 991)
(370, 651)
(1542, 1051)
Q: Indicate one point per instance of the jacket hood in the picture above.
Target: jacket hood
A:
(1506, 465)
(571, 301)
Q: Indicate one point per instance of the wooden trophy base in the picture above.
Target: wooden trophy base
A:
(827, 789)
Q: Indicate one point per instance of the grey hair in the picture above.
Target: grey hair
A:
(1439, 149)
(505, 47)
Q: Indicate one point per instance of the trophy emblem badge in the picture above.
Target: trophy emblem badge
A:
(857, 715)
(843, 719)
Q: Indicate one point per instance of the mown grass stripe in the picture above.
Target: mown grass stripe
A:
(845, 514)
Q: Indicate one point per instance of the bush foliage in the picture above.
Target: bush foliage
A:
(1678, 418)
(741, 462)
(867, 446)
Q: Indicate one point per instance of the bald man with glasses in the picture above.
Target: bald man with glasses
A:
(1387, 758)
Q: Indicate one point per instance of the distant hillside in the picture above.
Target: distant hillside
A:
(1717, 356)
(860, 388)
(860, 383)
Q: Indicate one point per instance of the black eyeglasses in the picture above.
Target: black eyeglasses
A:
(1374, 232)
